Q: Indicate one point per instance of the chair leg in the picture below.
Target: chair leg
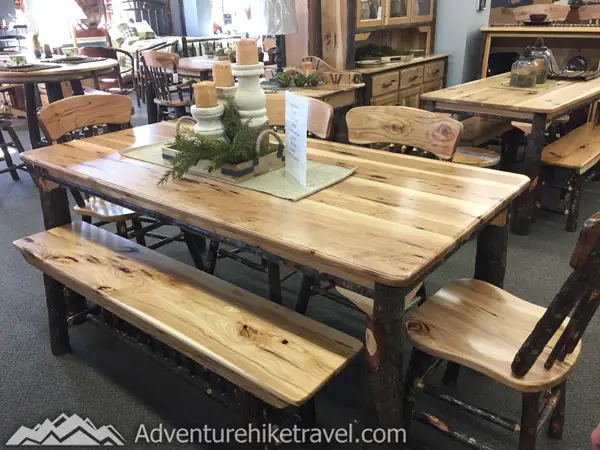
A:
(191, 241)
(274, 282)
(304, 295)
(137, 226)
(122, 229)
(573, 216)
(557, 421)
(418, 365)
(530, 411)
(8, 159)
(211, 257)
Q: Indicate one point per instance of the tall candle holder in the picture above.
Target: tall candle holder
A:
(250, 98)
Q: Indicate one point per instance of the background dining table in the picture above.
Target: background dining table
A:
(53, 78)
(493, 98)
(379, 232)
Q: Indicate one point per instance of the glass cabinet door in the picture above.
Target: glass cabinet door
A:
(370, 13)
(398, 11)
(422, 10)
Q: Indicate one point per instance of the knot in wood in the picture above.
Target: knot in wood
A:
(396, 127)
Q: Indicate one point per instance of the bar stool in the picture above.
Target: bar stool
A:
(6, 126)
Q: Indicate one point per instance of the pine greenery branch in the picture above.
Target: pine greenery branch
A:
(239, 147)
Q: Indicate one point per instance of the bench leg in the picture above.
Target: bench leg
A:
(417, 367)
(122, 229)
(573, 217)
(253, 414)
(557, 421)
(211, 257)
(384, 355)
(57, 316)
(137, 226)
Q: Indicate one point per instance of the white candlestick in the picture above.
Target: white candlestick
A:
(250, 97)
(208, 121)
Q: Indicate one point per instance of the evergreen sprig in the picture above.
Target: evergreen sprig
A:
(239, 147)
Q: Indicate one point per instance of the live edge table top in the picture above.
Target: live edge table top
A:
(389, 223)
(489, 95)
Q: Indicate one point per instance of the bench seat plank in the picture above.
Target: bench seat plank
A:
(280, 356)
(579, 150)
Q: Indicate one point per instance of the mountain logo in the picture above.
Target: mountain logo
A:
(67, 431)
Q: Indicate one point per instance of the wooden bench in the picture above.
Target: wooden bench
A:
(578, 151)
(480, 130)
(279, 356)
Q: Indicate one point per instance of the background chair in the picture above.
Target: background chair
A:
(526, 347)
(416, 130)
(119, 81)
(160, 69)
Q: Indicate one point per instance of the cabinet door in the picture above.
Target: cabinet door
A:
(398, 12)
(370, 13)
(410, 97)
(422, 10)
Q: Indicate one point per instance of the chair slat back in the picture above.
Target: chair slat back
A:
(60, 118)
(554, 12)
(580, 294)
(159, 68)
(590, 12)
(320, 114)
(400, 125)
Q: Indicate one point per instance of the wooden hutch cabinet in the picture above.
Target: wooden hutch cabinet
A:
(347, 25)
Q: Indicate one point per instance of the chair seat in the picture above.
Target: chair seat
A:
(480, 326)
(103, 210)
(476, 156)
(579, 150)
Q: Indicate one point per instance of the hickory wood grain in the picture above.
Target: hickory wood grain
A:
(479, 130)
(280, 356)
(480, 326)
(411, 212)
(475, 156)
(320, 114)
(578, 150)
(69, 114)
(489, 96)
(65, 72)
(404, 126)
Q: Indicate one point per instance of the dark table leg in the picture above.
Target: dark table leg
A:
(77, 87)
(490, 266)
(522, 216)
(31, 111)
(384, 354)
(151, 107)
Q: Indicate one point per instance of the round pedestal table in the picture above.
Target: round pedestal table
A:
(52, 78)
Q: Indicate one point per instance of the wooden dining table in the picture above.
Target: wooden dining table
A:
(53, 78)
(492, 97)
(379, 233)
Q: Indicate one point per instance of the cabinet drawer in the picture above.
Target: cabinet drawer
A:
(410, 97)
(411, 77)
(434, 70)
(432, 86)
(385, 100)
(385, 83)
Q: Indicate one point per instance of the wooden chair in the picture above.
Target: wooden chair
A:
(554, 12)
(249, 354)
(526, 347)
(13, 141)
(119, 81)
(160, 69)
(320, 115)
(86, 116)
(320, 120)
(577, 152)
